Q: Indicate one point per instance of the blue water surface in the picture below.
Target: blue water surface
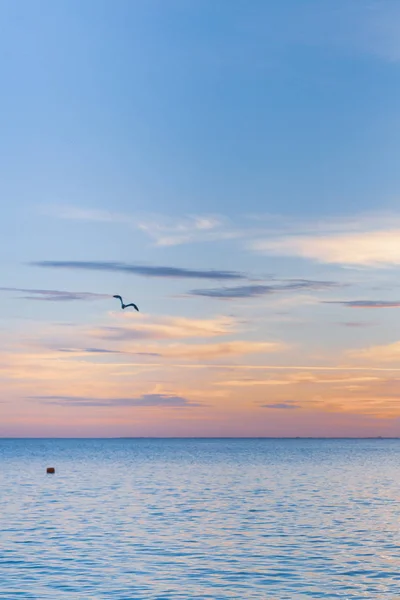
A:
(200, 519)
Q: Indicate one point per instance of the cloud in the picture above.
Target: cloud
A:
(103, 351)
(253, 291)
(162, 328)
(146, 400)
(368, 249)
(380, 353)
(143, 270)
(364, 303)
(303, 379)
(55, 295)
(163, 230)
(199, 352)
(211, 351)
(282, 406)
(368, 240)
(245, 291)
(167, 231)
(88, 350)
(100, 351)
(253, 382)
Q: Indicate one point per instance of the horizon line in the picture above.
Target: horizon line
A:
(370, 437)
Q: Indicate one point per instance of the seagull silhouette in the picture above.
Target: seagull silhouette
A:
(123, 306)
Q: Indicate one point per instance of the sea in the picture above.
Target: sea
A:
(268, 519)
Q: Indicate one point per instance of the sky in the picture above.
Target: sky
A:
(232, 168)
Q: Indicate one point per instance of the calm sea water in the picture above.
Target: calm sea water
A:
(200, 519)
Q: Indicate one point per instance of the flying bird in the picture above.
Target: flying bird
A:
(123, 306)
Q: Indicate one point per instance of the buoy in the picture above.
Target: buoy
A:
(51, 470)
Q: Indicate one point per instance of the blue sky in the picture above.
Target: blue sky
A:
(259, 138)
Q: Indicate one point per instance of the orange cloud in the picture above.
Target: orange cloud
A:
(367, 248)
(218, 350)
(318, 392)
(300, 378)
(380, 353)
(253, 382)
(142, 327)
(180, 349)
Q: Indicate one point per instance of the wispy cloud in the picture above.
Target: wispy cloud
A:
(194, 352)
(256, 290)
(365, 303)
(87, 350)
(163, 328)
(248, 382)
(191, 229)
(143, 270)
(368, 240)
(100, 351)
(367, 249)
(378, 353)
(282, 406)
(165, 337)
(244, 291)
(146, 400)
(55, 295)
(311, 378)
(212, 351)
(83, 351)
(162, 229)
(199, 352)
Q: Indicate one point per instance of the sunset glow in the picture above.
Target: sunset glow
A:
(242, 189)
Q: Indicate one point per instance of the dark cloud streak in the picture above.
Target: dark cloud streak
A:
(105, 351)
(143, 270)
(146, 400)
(281, 406)
(365, 303)
(253, 291)
(55, 295)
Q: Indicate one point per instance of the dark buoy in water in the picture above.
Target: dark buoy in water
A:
(50, 470)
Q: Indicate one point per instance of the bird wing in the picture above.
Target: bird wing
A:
(120, 299)
(131, 304)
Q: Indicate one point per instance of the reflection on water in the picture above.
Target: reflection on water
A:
(200, 519)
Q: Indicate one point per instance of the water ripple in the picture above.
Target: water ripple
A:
(200, 519)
